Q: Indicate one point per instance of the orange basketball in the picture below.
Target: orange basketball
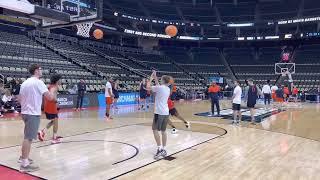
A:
(98, 34)
(171, 30)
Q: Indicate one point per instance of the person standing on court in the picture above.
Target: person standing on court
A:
(266, 91)
(31, 95)
(213, 91)
(109, 97)
(252, 96)
(236, 103)
(161, 111)
(81, 91)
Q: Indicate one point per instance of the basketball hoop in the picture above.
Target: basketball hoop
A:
(84, 29)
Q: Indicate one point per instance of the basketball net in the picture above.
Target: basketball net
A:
(84, 29)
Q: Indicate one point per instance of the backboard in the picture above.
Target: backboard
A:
(80, 11)
(285, 68)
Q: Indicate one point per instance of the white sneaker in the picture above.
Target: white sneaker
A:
(174, 131)
(188, 125)
(56, 141)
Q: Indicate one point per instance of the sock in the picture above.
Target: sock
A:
(159, 147)
(54, 135)
(164, 147)
(25, 162)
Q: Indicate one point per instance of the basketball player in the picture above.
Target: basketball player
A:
(280, 96)
(274, 88)
(109, 97)
(51, 111)
(266, 91)
(31, 93)
(295, 92)
(115, 91)
(286, 92)
(174, 112)
(236, 103)
(143, 94)
(214, 90)
(161, 112)
(252, 95)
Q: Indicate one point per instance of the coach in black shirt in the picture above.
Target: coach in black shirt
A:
(81, 91)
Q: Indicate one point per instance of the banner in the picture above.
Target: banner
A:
(124, 99)
(216, 79)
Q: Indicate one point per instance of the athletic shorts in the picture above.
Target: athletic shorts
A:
(51, 116)
(109, 100)
(160, 122)
(173, 111)
(236, 107)
(251, 104)
(116, 94)
(31, 126)
(143, 95)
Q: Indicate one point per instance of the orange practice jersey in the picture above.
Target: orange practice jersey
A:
(170, 104)
(50, 107)
(214, 89)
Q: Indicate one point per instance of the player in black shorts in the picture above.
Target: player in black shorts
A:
(252, 99)
(173, 112)
(115, 91)
(143, 94)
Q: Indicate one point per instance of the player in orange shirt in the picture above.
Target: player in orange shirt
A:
(174, 112)
(286, 93)
(213, 91)
(51, 111)
(295, 92)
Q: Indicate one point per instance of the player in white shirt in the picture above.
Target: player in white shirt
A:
(236, 103)
(266, 91)
(31, 94)
(109, 97)
(161, 111)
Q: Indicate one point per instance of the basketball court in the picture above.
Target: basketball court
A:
(123, 148)
(285, 143)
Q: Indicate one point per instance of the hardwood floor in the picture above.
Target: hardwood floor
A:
(283, 146)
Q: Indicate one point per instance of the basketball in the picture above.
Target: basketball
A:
(98, 34)
(171, 30)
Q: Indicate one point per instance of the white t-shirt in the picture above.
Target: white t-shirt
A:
(237, 92)
(162, 94)
(31, 92)
(108, 86)
(274, 88)
(266, 89)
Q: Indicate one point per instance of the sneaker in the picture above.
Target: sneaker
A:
(253, 123)
(163, 153)
(56, 141)
(20, 160)
(188, 125)
(174, 131)
(157, 155)
(1, 115)
(41, 135)
(29, 168)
